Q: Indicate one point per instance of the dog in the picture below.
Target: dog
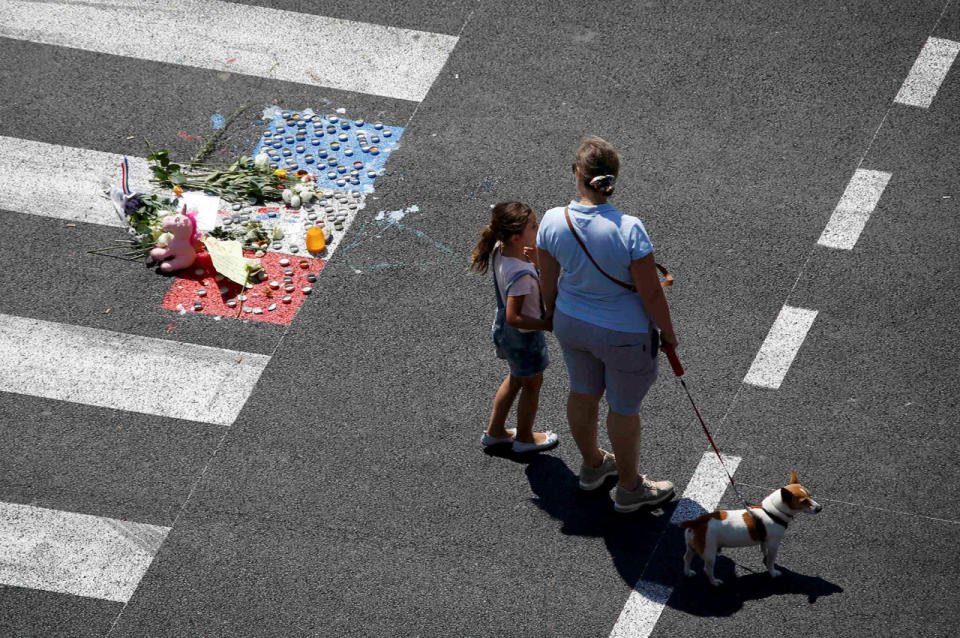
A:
(708, 533)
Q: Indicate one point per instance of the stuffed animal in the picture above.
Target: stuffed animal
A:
(180, 249)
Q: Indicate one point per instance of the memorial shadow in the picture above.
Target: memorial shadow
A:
(644, 545)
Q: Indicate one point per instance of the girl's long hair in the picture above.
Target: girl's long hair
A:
(506, 219)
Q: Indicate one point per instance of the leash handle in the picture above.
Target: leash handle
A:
(671, 352)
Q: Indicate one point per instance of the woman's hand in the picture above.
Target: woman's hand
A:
(668, 338)
(531, 254)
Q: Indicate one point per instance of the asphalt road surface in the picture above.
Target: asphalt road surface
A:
(343, 491)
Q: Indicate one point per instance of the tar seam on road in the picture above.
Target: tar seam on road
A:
(223, 438)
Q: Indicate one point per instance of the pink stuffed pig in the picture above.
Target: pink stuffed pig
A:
(180, 251)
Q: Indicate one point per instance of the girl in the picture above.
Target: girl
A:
(508, 247)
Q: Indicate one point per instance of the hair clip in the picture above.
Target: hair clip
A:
(602, 180)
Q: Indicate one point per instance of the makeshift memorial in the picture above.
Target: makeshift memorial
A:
(230, 220)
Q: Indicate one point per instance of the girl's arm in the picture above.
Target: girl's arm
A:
(517, 320)
(549, 276)
(644, 273)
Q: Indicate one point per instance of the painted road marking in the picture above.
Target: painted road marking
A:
(315, 50)
(75, 554)
(126, 372)
(854, 209)
(62, 181)
(703, 494)
(928, 72)
(780, 347)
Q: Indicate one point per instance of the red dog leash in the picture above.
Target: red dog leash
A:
(671, 353)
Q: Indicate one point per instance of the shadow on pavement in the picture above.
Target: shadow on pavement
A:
(697, 597)
(632, 538)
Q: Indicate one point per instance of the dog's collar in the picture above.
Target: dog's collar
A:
(776, 519)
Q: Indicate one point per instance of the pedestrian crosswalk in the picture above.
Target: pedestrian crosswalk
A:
(258, 41)
(96, 556)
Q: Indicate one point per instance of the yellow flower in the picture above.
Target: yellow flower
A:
(280, 173)
(177, 190)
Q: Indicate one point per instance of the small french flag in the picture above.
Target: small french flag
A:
(125, 180)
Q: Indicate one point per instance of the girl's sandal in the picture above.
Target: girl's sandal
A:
(486, 440)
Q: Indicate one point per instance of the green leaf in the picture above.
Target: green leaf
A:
(178, 178)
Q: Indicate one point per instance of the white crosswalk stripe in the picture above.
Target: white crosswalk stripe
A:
(125, 372)
(315, 50)
(72, 553)
(62, 181)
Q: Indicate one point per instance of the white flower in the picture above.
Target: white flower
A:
(164, 239)
(261, 160)
(306, 196)
(287, 195)
(295, 201)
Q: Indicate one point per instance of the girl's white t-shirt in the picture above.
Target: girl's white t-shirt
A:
(504, 269)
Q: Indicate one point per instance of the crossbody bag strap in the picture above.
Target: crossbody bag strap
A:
(667, 277)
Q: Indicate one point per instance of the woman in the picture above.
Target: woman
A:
(606, 309)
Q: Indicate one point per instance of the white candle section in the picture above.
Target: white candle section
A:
(74, 553)
(125, 372)
(307, 49)
(927, 74)
(780, 347)
(703, 494)
(854, 209)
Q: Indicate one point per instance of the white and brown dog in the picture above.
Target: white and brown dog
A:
(706, 534)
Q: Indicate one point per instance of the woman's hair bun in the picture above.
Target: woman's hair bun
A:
(603, 184)
(599, 164)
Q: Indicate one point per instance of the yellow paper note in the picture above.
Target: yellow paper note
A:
(228, 260)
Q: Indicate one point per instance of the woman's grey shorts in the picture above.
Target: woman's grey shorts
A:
(622, 363)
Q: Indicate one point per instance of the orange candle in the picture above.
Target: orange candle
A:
(315, 240)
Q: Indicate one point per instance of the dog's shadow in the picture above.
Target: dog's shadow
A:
(697, 597)
(644, 544)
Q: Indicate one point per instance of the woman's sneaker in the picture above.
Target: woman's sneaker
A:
(593, 477)
(647, 494)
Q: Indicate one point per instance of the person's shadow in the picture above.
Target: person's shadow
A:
(646, 536)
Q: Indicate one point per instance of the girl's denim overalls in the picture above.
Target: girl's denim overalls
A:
(525, 352)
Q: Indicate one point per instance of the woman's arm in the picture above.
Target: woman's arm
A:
(517, 320)
(549, 276)
(644, 273)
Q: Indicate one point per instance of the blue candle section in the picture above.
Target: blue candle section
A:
(353, 150)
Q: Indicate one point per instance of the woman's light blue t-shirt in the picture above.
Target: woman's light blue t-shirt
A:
(614, 240)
